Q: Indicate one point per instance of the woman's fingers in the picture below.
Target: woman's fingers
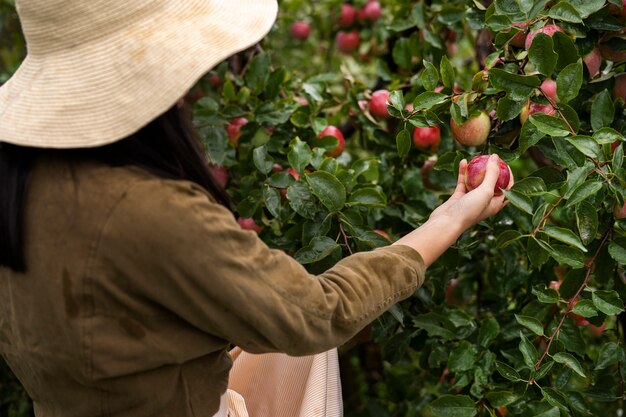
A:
(492, 173)
(460, 182)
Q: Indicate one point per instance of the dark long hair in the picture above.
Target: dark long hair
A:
(166, 147)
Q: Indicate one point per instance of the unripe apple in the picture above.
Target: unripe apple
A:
(476, 170)
(348, 15)
(593, 62)
(234, 129)
(620, 212)
(532, 108)
(300, 30)
(548, 87)
(619, 91)
(249, 224)
(348, 41)
(474, 131)
(378, 104)
(383, 234)
(219, 174)
(549, 30)
(372, 11)
(427, 138)
(334, 131)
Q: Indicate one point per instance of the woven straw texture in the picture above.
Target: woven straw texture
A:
(97, 71)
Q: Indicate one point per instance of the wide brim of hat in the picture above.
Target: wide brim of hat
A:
(102, 91)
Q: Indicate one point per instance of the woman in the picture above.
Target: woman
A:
(123, 280)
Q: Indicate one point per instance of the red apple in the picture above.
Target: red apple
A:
(502, 411)
(619, 91)
(474, 131)
(249, 224)
(334, 131)
(519, 40)
(593, 62)
(611, 53)
(215, 80)
(450, 296)
(427, 138)
(219, 174)
(293, 173)
(300, 30)
(555, 285)
(532, 108)
(378, 104)
(548, 87)
(476, 170)
(348, 15)
(619, 12)
(234, 129)
(597, 330)
(383, 234)
(549, 30)
(372, 11)
(348, 41)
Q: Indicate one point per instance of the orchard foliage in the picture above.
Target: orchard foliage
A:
(524, 316)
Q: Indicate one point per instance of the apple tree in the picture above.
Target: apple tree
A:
(344, 129)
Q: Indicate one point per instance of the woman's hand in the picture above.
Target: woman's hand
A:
(462, 210)
(471, 207)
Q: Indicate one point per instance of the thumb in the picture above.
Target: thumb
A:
(492, 173)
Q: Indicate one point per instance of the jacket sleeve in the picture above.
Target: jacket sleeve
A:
(175, 246)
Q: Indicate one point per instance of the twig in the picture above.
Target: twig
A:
(345, 237)
(545, 217)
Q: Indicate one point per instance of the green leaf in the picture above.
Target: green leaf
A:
(565, 12)
(530, 186)
(585, 308)
(428, 100)
(402, 54)
(569, 82)
(517, 87)
(545, 295)
(301, 200)
(567, 255)
(569, 361)
(554, 398)
(531, 324)
(529, 351)
(488, 332)
(568, 53)
(501, 398)
(448, 75)
(586, 145)
(571, 283)
(602, 111)
(453, 406)
(435, 325)
(507, 372)
(543, 370)
(607, 135)
(519, 200)
(258, 73)
(587, 222)
(328, 189)
(396, 98)
(507, 237)
(564, 235)
(216, 142)
(463, 358)
(617, 250)
(300, 155)
(586, 7)
(318, 249)
(403, 142)
(608, 302)
(509, 109)
(542, 55)
(529, 136)
(550, 125)
(368, 197)
(584, 191)
(537, 254)
(271, 197)
(262, 160)
(429, 76)
(610, 354)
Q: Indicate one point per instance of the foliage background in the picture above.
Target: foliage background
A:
(485, 335)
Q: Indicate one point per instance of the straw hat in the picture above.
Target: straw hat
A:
(97, 71)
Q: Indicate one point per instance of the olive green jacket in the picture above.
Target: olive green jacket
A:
(136, 287)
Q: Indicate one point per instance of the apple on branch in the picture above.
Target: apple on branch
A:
(300, 30)
(234, 129)
(348, 41)
(378, 104)
(348, 15)
(427, 139)
(249, 224)
(335, 132)
(474, 131)
(549, 30)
